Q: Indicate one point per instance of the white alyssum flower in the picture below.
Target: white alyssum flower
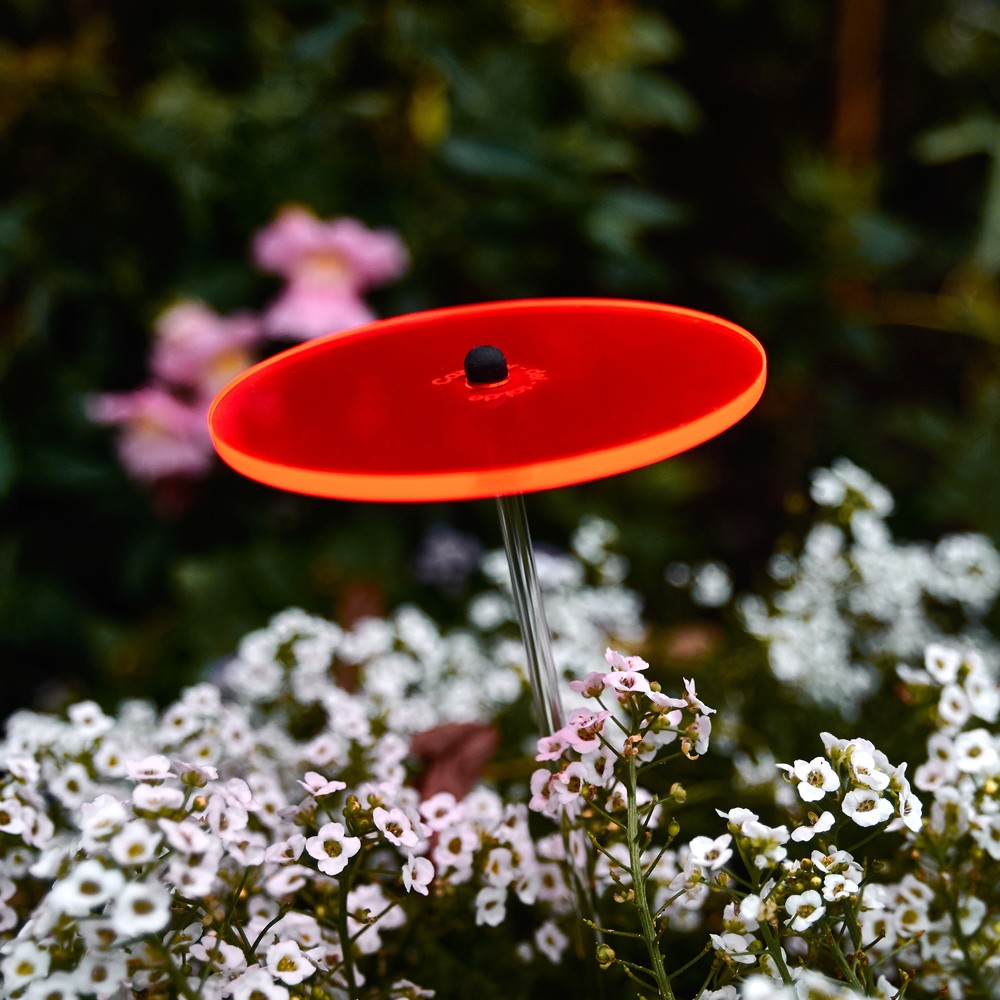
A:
(813, 778)
(395, 826)
(418, 873)
(285, 961)
(25, 962)
(551, 941)
(332, 848)
(804, 909)
(140, 908)
(709, 853)
(87, 886)
(866, 807)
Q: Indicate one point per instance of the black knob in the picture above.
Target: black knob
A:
(485, 365)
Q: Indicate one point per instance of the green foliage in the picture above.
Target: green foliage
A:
(524, 147)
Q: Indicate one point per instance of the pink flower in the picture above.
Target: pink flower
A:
(590, 687)
(328, 265)
(160, 436)
(618, 661)
(340, 254)
(303, 311)
(198, 349)
(551, 747)
(581, 732)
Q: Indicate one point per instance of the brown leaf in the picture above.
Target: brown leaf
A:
(455, 754)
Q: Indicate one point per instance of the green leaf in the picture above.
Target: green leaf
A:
(952, 142)
(637, 97)
(492, 161)
(623, 214)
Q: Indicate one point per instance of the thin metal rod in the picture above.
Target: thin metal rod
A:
(531, 613)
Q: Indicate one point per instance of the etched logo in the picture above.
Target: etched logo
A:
(520, 379)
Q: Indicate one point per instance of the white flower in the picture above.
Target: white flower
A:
(866, 807)
(154, 768)
(88, 885)
(942, 662)
(222, 956)
(804, 909)
(440, 810)
(491, 906)
(866, 772)
(257, 984)
(804, 833)
(551, 941)
(975, 752)
(286, 962)
(156, 798)
(736, 946)
(813, 778)
(332, 848)
(711, 854)
(187, 836)
(88, 719)
(24, 963)
(971, 911)
(319, 787)
(136, 844)
(395, 826)
(100, 819)
(838, 886)
(11, 816)
(286, 851)
(71, 786)
(953, 706)
(140, 908)
(417, 874)
(55, 986)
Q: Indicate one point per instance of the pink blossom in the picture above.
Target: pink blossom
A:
(340, 254)
(303, 311)
(627, 682)
(160, 436)
(618, 661)
(551, 747)
(582, 730)
(591, 685)
(198, 349)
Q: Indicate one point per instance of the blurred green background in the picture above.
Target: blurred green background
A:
(825, 174)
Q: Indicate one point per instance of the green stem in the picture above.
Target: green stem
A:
(346, 942)
(639, 887)
(687, 965)
(176, 976)
(608, 930)
(961, 938)
(846, 967)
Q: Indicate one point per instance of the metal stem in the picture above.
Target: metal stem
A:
(530, 613)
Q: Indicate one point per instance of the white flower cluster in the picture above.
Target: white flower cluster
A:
(148, 862)
(855, 602)
(942, 920)
(419, 676)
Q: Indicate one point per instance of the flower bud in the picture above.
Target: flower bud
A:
(673, 828)
(678, 792)
(606, 956)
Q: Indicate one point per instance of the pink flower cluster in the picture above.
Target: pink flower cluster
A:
(326, 265)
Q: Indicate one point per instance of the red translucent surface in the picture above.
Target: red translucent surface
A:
(596, 387)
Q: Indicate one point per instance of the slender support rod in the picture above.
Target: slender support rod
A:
(531, 613)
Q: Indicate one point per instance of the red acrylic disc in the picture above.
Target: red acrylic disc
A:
(384, 412)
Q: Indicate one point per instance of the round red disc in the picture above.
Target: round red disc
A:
(384, 412)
